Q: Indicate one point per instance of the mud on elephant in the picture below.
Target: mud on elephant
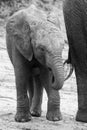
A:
(75, 14)
(35, 49)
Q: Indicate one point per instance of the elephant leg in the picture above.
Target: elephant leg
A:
(53, 107)
(37, 97)
(21, 75)
(82, 96)
(53, 110)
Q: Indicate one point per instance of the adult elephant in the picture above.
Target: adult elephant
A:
(34, 46)
(75, 15)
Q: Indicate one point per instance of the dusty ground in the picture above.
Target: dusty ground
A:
(8, 96)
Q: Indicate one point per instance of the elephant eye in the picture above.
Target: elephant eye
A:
(42, 48)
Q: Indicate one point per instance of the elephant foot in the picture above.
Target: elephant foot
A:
(81, 116)
(36, 113)
(54, 115)
(22, 117)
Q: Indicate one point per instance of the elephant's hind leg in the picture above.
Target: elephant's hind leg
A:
(37, 97)
(81, 79)
(21, 74)
(30, 88)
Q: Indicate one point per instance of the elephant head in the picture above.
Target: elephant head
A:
(44, 42)
(47, 46)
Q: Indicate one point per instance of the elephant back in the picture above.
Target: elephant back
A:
(36, 16)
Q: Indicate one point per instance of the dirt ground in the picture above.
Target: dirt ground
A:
(68, 96)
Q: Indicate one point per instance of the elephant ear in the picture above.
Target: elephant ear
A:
(23, 40)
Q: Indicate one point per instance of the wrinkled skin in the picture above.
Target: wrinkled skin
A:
(75, 14)
(36, 56)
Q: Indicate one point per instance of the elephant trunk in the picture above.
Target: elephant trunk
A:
(57, 78)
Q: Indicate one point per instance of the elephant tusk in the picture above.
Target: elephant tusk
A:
(70, 72)
(30, 57)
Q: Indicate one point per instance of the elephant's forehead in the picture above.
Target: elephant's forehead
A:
(49, 36)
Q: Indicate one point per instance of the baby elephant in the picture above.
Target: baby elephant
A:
(34, 45)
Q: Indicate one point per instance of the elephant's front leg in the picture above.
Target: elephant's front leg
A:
(21, 75)
(53, 110)
(37, 97)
